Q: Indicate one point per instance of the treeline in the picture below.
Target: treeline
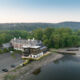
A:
(51, 37)
(6, 36)
(58, 38)
(33, 26)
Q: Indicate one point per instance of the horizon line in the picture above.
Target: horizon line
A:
(36, 22)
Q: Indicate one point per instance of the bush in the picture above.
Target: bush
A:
(11, 49)
(5, 50)
(26, 62)
(18, 51)
(1, 51)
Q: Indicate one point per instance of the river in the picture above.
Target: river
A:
(66, 68)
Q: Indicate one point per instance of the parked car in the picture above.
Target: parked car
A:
(5, 70)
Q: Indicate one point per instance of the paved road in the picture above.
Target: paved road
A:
(6, 60)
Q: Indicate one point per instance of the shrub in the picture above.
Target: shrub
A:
(26, 62)
(5, 50)
(1, 51)
(18, 51)
(11, 49)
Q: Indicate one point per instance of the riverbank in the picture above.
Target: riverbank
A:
(72, 51)
(29, 68)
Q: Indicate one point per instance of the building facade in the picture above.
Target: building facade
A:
(18, 44)
(31, 47)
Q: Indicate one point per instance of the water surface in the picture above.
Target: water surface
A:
(67, 68)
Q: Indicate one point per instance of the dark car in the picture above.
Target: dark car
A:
(5, 70)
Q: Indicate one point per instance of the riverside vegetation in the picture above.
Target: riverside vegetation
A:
(51, 37)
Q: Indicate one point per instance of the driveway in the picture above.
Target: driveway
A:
(6, 60)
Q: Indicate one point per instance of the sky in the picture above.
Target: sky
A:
(49, 11)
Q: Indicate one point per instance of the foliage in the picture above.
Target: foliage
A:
(38, 33)
(51, 37)
(1, 51)
(17, 51)
(6, 36)
(33, 26)
(58, 37)
(11, 49)
(5, 50)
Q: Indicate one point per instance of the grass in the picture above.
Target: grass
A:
(10, 77)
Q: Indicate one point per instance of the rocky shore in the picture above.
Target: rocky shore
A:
(29, 68)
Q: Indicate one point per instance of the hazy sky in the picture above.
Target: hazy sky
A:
(39, 10)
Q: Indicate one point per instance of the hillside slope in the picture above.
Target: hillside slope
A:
(32, 26)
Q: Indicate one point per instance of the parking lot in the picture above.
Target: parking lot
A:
(6, 60)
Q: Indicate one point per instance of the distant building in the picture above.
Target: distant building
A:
(31, 47)
(6, 45)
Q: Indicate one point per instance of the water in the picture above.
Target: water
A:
(67, 68)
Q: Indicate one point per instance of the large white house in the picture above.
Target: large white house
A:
(31, 47)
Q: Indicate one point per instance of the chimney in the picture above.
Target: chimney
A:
(19, 37)
(33, 39)
(14, 38)
(28, 39)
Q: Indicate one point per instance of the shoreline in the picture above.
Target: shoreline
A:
(29, 68)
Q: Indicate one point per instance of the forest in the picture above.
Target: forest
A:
(51, 37)
(33, 26)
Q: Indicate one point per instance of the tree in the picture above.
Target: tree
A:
(48, 32)
(38, 34)
(1, 51)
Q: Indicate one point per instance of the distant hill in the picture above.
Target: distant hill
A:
(32, 26)
(72, 25)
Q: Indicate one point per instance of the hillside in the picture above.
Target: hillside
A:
(32, 26)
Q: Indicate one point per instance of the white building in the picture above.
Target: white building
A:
(31, 47)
